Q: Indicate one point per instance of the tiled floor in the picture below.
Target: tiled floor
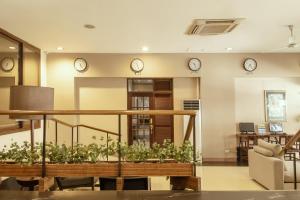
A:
(216, 178)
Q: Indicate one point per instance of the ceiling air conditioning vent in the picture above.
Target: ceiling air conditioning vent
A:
(212, 26)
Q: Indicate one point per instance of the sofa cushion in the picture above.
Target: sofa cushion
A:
(263, 151)
(289, 173)
(275, 148)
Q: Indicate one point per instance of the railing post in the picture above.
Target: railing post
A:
(72, 144)
(295, 170)
(194, 144)
(119, 144)
(32, 135)
(77, 137)
(56, 132)
(44, 147)
(107, 147)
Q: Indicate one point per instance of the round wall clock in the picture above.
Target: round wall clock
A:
(80, 64)
(250, 64)
(137, 65)
(7, 64)
(194, 64)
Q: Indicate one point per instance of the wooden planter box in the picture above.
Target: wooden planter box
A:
(157, 169)
(20, 170)
(84, 169)
(99, 169)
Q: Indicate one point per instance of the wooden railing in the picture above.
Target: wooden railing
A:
(98, 112)
(289, 145)
(119, 113)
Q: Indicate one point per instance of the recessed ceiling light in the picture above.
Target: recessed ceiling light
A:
(12, 47)
(228, 49)
(60, 48)
(89, 26)
(145, 48)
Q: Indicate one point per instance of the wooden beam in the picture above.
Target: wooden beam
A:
(45, 183)
(189, 128)
(291, 142)
(119, 183)
(14, 128)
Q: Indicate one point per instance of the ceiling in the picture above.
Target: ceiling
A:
(125, 26)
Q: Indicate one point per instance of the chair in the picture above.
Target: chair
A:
(136, 183)
(10, 184)
(29, 183)
(130, 183)
(108, 183)
(74, 182)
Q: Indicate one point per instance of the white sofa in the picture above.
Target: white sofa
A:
(272, 172)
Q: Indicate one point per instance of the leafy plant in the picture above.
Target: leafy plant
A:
(22, 154)
(185, 152)
(111, 149)
(3, 155)
(79, 153)
(94, 152)
(137, 152)
(58, 154)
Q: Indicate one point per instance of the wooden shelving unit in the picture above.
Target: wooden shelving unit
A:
(150, 94)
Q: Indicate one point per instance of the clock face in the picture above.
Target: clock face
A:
(194, 64)
(137, 65)
(80, 64)
(250, 64)
(7, 64)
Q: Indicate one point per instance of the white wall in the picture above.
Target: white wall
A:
(249, 100)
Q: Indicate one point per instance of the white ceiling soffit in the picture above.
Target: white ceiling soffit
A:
(125, 26)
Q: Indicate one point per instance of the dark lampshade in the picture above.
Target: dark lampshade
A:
(30, 98)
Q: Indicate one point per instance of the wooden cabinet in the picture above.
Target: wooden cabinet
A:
(150, 94)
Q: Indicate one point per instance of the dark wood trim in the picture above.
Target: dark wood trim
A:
(20, 65)
(17, 39)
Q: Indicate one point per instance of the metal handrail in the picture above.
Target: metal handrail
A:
(83, 125)
(57, 121)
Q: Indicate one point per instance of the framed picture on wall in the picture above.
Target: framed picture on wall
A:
(275, 105)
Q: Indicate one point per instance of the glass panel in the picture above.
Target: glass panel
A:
(9, 54)
(8, 75)
(146, 102)
(140, 85)
(31, 63)
(140, 102)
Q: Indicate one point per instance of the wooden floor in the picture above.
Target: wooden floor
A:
(152, 195)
